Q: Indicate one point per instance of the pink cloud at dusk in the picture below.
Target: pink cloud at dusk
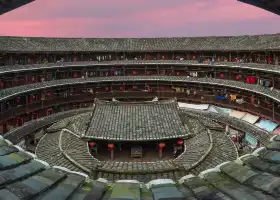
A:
(134, 18)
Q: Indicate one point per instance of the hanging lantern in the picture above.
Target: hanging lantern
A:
(222, 75)
(134, 73)
(180, 142)
(134, 87)
(148, 73)
(161, 146)
(177, 73)
(106, 89)
(91, 144)
(18, 99)
(111, 147)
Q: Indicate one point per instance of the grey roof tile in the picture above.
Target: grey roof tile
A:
(135, 121)
(213, 43)
(253, 177)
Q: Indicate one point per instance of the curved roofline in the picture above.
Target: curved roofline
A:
(234, 65)
(119, 38)
(207, 43)
(257, 89)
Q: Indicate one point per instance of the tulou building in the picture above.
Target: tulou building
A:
(192, 118)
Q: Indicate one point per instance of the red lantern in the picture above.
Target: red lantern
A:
(134, 87)
(177, 73)
(222, 76)
(150, 89)
(91, 144)
(111, 146)
(148, 73)
(180, 142)
(161, 146)
(134, 73)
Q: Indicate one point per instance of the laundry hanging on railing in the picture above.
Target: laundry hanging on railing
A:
(264, 82)
(250, 79)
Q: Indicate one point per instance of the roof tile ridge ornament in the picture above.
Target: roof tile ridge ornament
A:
(64, 153)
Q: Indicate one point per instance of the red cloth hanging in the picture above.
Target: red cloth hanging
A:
(269, 60)
(237, 77)
(247, 79)
(252, 80)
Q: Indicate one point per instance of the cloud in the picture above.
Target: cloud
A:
(146, 18)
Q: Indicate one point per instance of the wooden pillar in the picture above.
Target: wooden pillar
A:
(276, 59)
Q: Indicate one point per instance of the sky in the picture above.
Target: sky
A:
(137, 18)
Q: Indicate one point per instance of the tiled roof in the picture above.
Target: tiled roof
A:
(260, 134)
(15, 91)
(136, 121)
(203, 147)
(234, 65)
(15, 135)
(213, 43)
(255, 176)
